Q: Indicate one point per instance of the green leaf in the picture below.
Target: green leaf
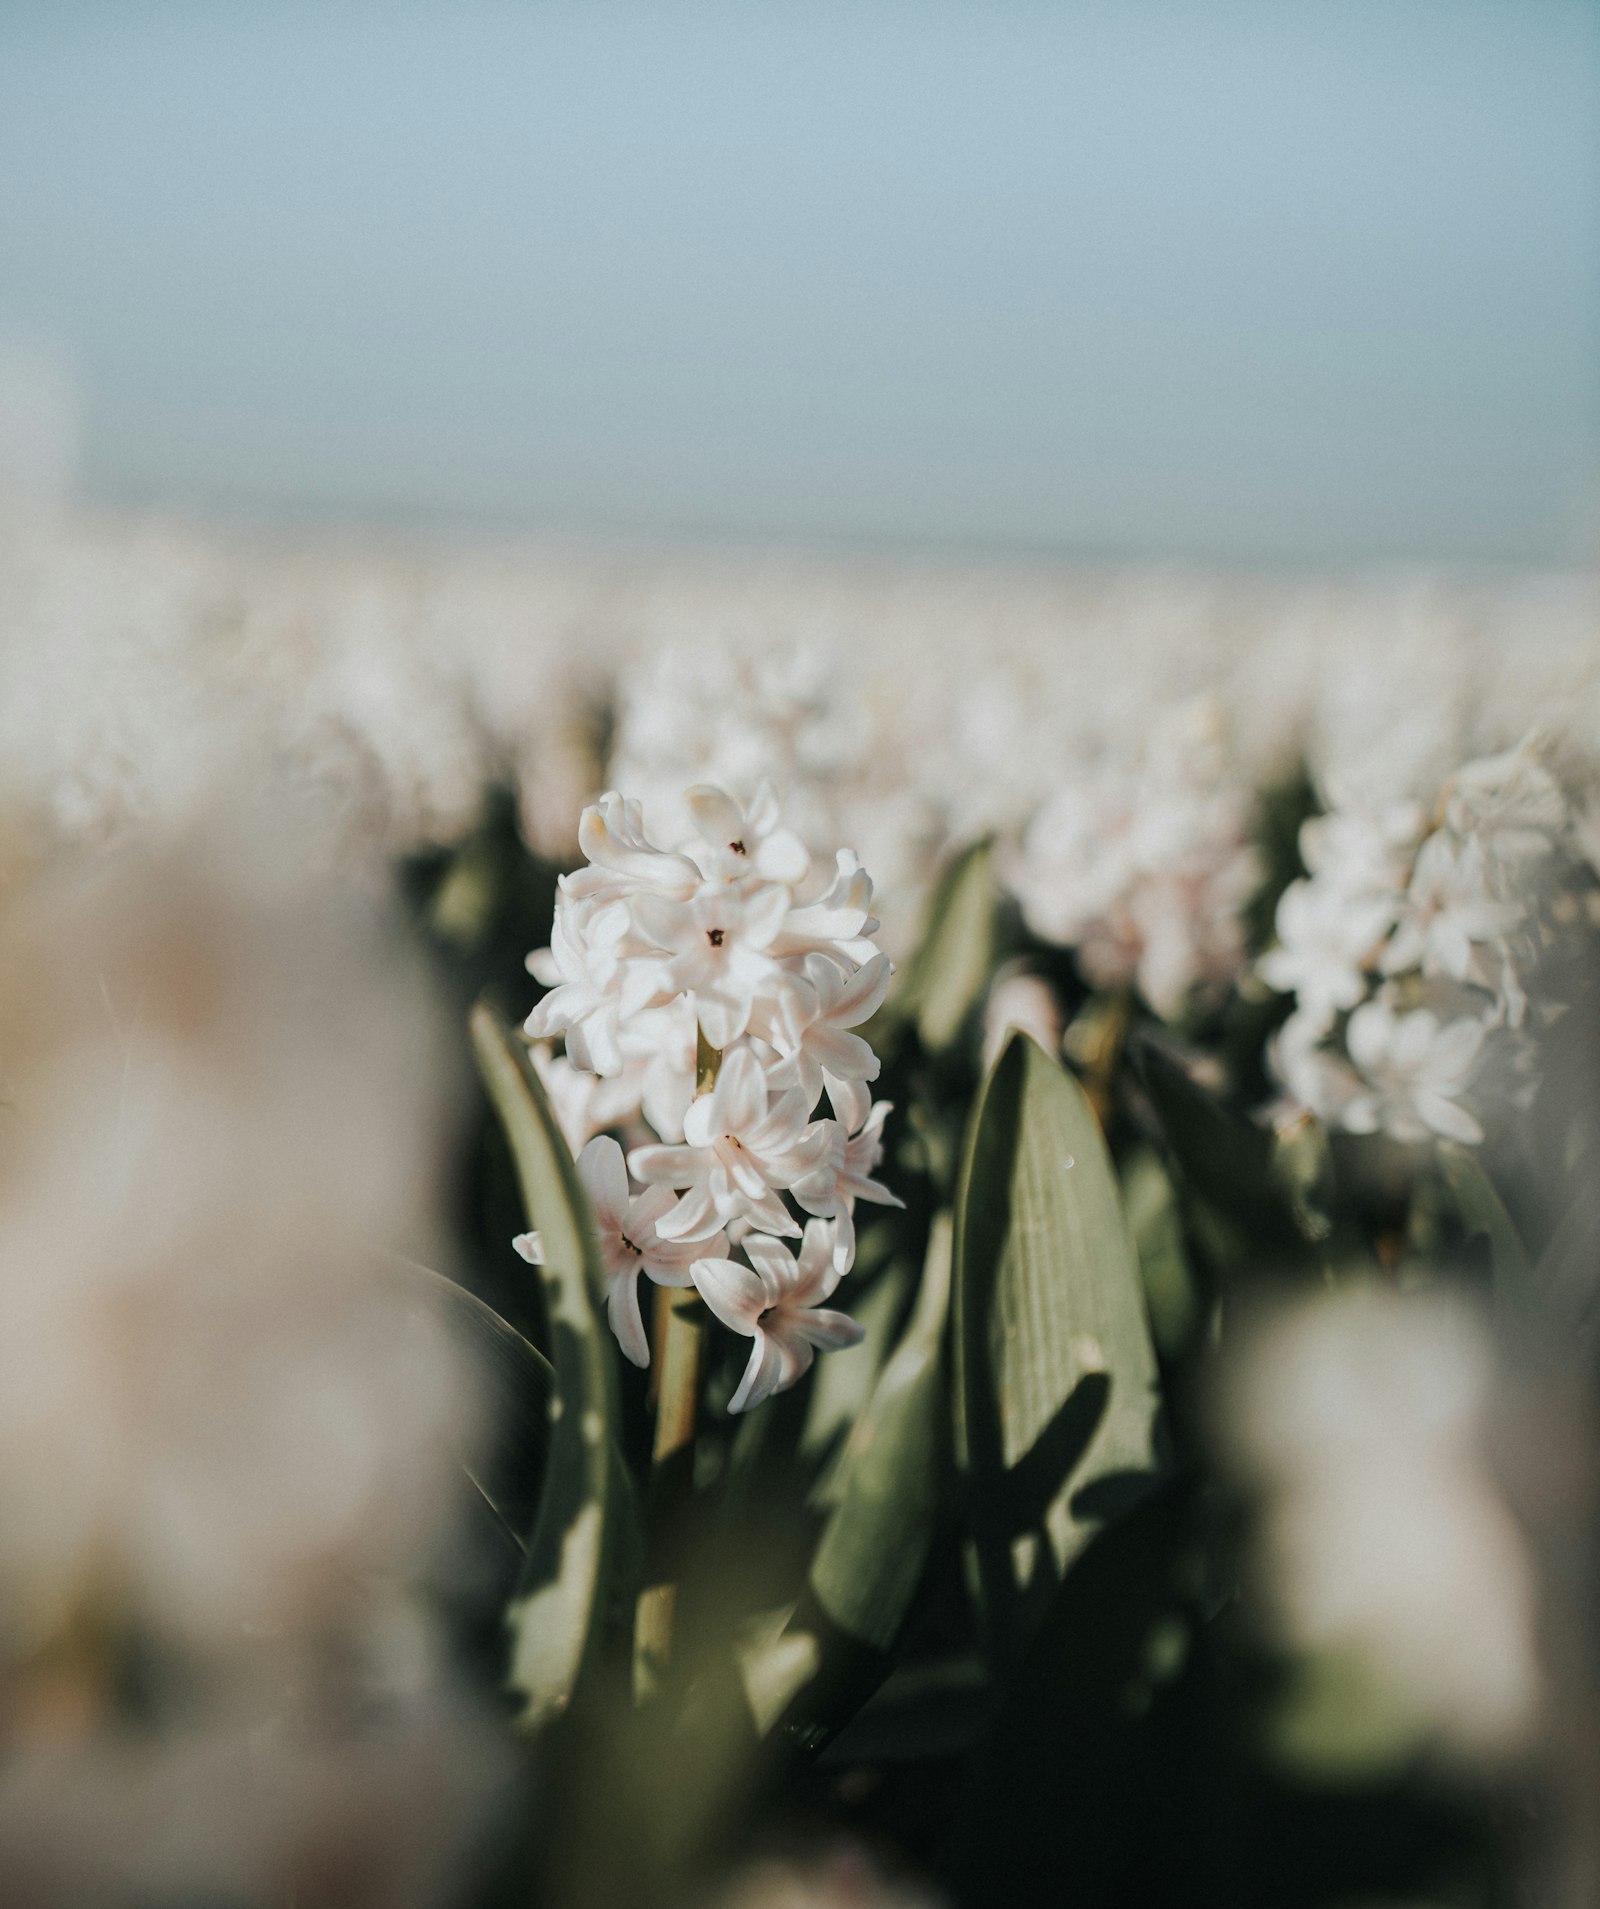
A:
(886, 1494)
(868, 1565)
(1225, 1161)
(1056, 1399)
(842, 1383)
(944, 980)
(560, 1605)
(1079, 1757)
(1172, 1298)
(1482, 1212)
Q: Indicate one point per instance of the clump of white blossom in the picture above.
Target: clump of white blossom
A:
(714, 994)
(1387, 1550)
(1140, 860)
(231, 1426)
(1409, 943)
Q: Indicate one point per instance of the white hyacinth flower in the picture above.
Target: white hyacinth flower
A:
(1416, 1069)
(630, 1243)
(816, 1010)
(739, 1154)
(714, 993)
(717, 944)
(741, 842)
(844, 1175)
(775, 1301)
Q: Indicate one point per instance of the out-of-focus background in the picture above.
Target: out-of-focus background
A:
(1234, 282)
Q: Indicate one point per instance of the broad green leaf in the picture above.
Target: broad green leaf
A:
(1070, 1764)
(886, 1495)
(1482, 1211)
(842, 1383)
(944, 980)
(560, 1604)
(1056, 1398)
(1171, 1295)
(867, 1567)
(1224, 1160)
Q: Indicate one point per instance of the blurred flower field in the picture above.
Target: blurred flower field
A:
(773, 1230)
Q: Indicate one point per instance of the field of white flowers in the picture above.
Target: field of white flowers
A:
(770, 1230)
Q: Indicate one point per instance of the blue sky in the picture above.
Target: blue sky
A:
(1260, 282)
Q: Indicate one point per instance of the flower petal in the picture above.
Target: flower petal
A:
(829, 1330)
(622, 1309)
(605, 1180)
(762, 1374)
(734, 1293)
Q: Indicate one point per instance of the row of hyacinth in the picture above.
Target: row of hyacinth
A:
(712, 993)
(1113, 735)
(1411, 944)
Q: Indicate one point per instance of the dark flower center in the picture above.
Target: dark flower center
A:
(738, 848)
(714, 936)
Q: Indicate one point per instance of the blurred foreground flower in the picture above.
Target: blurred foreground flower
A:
(1390, 1563)
(230, 1438)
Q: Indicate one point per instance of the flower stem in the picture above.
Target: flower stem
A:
(678, 1343)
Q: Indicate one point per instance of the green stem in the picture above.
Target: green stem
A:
(678, 1343)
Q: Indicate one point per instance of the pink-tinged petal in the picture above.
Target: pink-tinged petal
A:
(645, 1210)
(645, 984)
(844, 1055)
(605, 1180)
(774, 1262)
(742, 1170)
(795, 1351)
(700, 1120)
(722, 1018)
(622, 1309)
(762, 1374)
(779, 1128)
(734, 1293)
(602, 1053)
(668, 1262)
(740, 1093)
(716, 816)
(547, 1019)
(794, 1007)
(771, 1215)
(829, 1330)
(849, 1100)
(531, 1247)
(844, 1240)
(784, 858)
(815, 1275)
(664, 921)
(669, 1166)
(764, 917)
(862, 995)
(695, 1217)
